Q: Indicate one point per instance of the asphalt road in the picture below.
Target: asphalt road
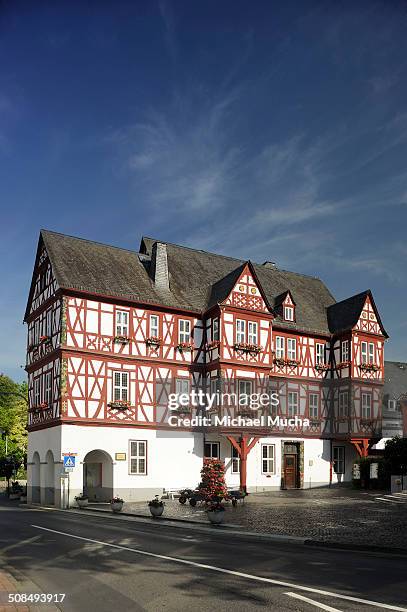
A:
(106, 564)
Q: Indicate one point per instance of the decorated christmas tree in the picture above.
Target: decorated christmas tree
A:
(213, 479)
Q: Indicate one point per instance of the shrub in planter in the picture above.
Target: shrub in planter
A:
(215, 512)
(16, 490)
(82, 500)
(116, 504)
(156, 506)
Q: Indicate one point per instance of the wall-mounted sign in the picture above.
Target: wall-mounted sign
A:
(356, 471)
(374, 470)
(120, 456)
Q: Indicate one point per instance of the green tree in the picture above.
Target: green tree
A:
(13, 417)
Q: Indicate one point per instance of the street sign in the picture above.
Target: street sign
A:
(69, 462)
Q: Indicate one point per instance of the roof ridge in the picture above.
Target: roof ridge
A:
(182, 246)
(111, 246)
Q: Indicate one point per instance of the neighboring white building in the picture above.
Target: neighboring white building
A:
(112, 333)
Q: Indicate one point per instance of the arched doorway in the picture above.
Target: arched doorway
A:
(49, 479)
(98, 476)
(36, 479)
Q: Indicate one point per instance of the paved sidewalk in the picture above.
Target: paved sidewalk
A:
(16, 583)
(342, 516)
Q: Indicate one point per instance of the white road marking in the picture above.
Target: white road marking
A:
(317, 604)
(223, 570)
(391, 501)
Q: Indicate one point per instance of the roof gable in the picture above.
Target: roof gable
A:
(241, 289)
(43, 280)
(355, 313)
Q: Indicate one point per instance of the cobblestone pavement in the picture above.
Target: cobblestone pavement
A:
(344, 516)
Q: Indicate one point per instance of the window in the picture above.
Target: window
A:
(366, 405)
(339, 459)
(371, 352)
(138, 457)
(345, 350)
(215, 329)
(292, 403)
(48, 324)
(182, 385)
(122, 323)
(154, 326)
(36, 331)
(292, 348)
(184, 330)
(320, 354)
(36, 392)
(48, 388)
(391, 405)
(211, 450)
(288, 313)
(120, 386)
(280, 347)
(343, 409)
(235, 461)
(313, 405)
(214, 390)
(240, 330)
(364, 352)
(267, 458)
(252, 332)
(245, 391)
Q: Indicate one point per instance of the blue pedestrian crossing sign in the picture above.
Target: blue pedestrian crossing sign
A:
(69, 462)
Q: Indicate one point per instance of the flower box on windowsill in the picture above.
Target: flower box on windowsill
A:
(121, 340)
(247, 348)
(212, 345)
(279, 362)
(154, 341)
(367, 423)
(185, 347)
(119, 405)
(343, 365)
(369, 367)
(293, 363)
(315, 423)
(342, 419)
(39, 407)
(44, 339)
(322, 367)
(182, 410)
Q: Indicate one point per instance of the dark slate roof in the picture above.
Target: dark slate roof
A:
(198, 279)
(344, 315)
(395, 379)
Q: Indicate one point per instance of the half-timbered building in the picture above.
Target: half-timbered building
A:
(112, 333)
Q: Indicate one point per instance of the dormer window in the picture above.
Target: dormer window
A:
(288, 313)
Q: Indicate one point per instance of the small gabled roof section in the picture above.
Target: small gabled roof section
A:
(395, 379)
(223, 288)
(280, 299)
(344, 315)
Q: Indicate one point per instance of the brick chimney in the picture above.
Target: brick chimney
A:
(159, 266)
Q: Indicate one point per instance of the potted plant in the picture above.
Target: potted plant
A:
(156, 506)
(82, 500)
(215, 512)
(116, 504)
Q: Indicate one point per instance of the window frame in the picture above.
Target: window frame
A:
(291, 351)
(364, 355)
(122, 328)
(184, 335)
(319, 353)
(215, 329)
(372, 352)
(138, 457)
(289, 313)
(37, 391)
(240, 333)
(120, 386)
(313, 394)
(48, 387)
(152, 327)
(364, 406)
(280, 350)
(343, 406)
(179, 382)
(268, 459)
(290, 414)
(213, 444)
(338, 461)
(234, 461)
(345, 352)
(393, 403)
(244, 381)
(252, 332)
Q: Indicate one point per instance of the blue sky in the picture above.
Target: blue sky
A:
(264, 130)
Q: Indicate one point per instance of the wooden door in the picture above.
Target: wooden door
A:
(290, 471)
